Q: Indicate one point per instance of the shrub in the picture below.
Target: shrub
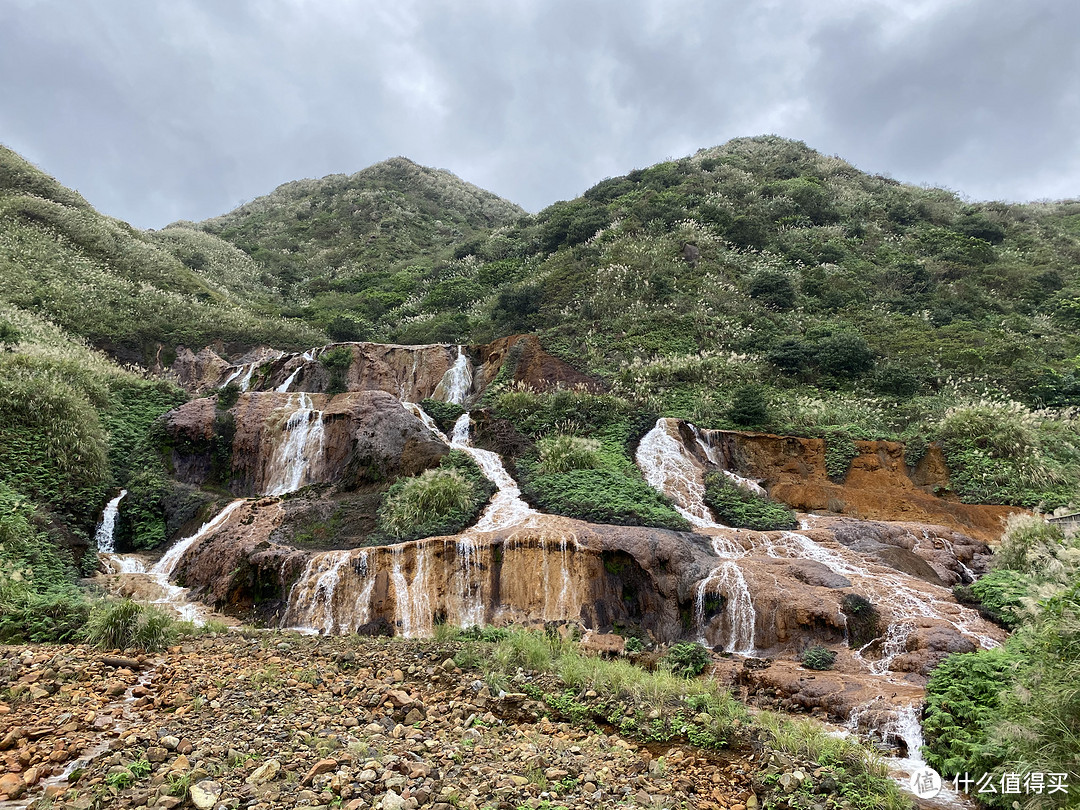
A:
(432, 494)
(125, 624)
(999, 596)
(444, 413)
(773, 289)
(844, 354)
(749, 407)
(9, 336)
(228, 396)
(337, 362)
(863, 620)
(562, 453)
(601, 496)
(734, 506)
(687, 659)
(840, 449)
(818, 657)
(439, 501)
(634, 645)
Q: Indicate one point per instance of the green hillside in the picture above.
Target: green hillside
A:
(121, 289)
(359, 247)
(756, 284)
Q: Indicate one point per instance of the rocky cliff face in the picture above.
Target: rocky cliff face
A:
(868, 573)
(410, 373)
(879, 485)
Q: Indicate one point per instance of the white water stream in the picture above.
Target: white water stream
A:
(305, 358)
(456, 384)
(301, 445)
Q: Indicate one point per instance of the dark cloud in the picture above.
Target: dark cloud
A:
(181, 109)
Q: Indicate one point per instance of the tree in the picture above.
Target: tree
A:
(773, 289)
(749, 408)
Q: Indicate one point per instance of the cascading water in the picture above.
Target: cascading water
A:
(306, 357)
(412, 604)
(669, 468)
(739, 614)
(173, 595)
(105, 540)
(507, 507)
(317, 602)
(456, 384)
(301, 445)
(705, 443)
(103, 537)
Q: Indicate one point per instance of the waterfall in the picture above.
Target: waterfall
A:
(306, 357)
(412, 603)
(706, 445)
(167, 564)
(302, 444)
(103, 537)
(507, 507)
(316, 602)
(456, 384)
(739, 614)
(670, 469)
(469, 582)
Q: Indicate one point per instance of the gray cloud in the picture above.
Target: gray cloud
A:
(159, 111)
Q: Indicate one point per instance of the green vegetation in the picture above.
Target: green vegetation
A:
(734, 506)
(39, 600)
(687, 659)
(439, 501)
(818, 657)
(665, 706)
(124, 624)
(562, 453)
(1016, 709)
(610, 489)
(445, 414)
(122, 289)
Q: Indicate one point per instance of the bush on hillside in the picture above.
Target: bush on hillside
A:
(562, 453)
(749, 407)
(39, 599)
(443, 500)
(600, 496)
(736, 507)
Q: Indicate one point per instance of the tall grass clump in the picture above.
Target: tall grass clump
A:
(562, 453)
(126, 624)
(443, 500)
(432, 494)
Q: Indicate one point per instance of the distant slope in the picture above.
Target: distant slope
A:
(126, 291)
(318, 240)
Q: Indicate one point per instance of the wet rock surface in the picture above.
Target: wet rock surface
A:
(282, 720)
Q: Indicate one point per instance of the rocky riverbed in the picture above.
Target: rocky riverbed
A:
(271, 720)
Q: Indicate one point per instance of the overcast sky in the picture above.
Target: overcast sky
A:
(158, 110)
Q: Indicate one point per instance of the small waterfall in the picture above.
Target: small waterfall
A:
(167, 564)
(316, 602)
(739, 614)
(302, 445)
(103, 537)
(469, 583)
(306, 357)
(670, 469)
(456, 384)
(506, 508)
(412, 604)
(706, 445)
